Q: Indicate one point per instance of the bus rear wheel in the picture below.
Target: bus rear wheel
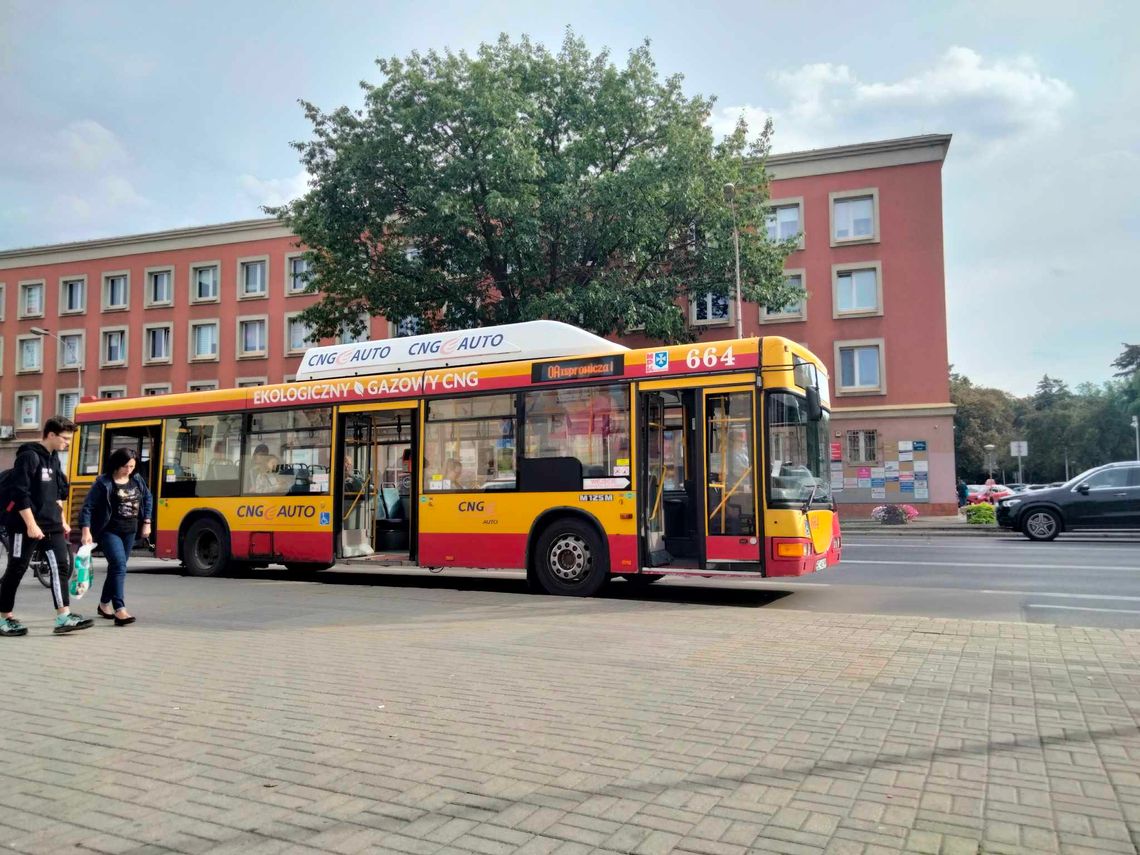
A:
(206, 551)
(571, 559)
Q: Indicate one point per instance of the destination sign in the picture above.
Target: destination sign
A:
(578, 369)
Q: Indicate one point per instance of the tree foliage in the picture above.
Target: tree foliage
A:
(1068, 431)
(517, 183)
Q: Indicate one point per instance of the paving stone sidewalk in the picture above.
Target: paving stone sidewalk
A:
(260, 715)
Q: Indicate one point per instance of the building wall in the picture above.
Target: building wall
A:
(901, 177)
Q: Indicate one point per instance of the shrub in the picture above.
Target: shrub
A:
(982, 514)
(888, 514)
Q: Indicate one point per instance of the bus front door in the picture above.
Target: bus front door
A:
(730, 475)
(667, 478)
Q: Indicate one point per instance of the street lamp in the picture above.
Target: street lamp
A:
(989, 449)
(730, 197)
(1136, 427)
(69, 347)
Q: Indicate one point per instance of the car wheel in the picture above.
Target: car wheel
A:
(1041, 524)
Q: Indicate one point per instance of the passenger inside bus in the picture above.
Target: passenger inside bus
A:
(453, 475)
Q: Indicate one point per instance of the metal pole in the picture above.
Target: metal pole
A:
(730, 197)
(1020, 480)
(1136, 428)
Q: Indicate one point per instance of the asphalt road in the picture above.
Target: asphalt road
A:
(1076, 581)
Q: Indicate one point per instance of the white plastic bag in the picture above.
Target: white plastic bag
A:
(81, 571)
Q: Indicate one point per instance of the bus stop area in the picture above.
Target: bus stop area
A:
(415, 713)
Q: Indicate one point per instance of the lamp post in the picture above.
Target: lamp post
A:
(730, 197)
(42, 331)
(989, 449)
(1136, 427)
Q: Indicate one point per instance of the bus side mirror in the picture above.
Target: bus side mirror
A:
(814, 407)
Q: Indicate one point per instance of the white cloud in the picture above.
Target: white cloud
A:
(86, 146)
(274, 191)
(981, 101)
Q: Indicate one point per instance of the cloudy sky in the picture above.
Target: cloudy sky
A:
(121, 117)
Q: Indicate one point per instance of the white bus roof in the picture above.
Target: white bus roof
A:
(505, 343)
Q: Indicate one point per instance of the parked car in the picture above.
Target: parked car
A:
(993, 493)
(1017, 488)
(1104, 497)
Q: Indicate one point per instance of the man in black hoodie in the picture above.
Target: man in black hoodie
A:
(34, 518)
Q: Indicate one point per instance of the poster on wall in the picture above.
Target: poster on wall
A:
(878, 494)
(837, 486)
(906, 456)
(906, 445)
(921, 465)
(878, 472)
(864, 483)
(921, 492)
(851, 483)
(837, 451)
(919, 445)
(864, 471)
(906, 486)
(906, 476)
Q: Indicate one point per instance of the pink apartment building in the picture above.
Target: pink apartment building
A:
(217, 306)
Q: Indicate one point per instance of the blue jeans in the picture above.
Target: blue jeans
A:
(116, 549)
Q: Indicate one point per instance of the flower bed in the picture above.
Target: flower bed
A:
(894, 514)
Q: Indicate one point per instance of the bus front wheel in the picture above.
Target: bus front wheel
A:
(571, 559)
(207, 548)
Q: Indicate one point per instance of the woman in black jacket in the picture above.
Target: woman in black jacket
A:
(119, 500)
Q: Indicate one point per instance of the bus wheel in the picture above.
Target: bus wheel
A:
(206, 551)
(571, 559)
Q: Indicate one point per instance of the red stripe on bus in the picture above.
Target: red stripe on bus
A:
(488, 551)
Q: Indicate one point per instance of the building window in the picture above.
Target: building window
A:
(296, 334)
(858, 289)
(710, 310)
(204, 283)
(783, 221)
(297, 275)
(109, 392)
(159, 347)
(796, 311)
(31, 354)
(251, 382)
(202, 386)
(854, 216)
(159, 287)
(28, 409)
(348, 336)
(252, 277)
(3, 299)
(252, 337)
(65, 404)
(115, 296)
(31, 300)
(114, 349)
(72, 296)
(149, 391)
(411, 325)
(862, 446)
(860, 366)
(70, 350)
(204, 340)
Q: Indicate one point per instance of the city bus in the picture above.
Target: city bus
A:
(535, 446)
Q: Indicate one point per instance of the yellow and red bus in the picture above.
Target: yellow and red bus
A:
(533, 446)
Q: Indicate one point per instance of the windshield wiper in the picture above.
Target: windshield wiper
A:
(811, 495)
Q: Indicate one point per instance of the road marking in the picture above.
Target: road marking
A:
(1059, 594)
(994, 565)
(1081, 609)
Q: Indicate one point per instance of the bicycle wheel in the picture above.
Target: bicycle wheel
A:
(40, 567)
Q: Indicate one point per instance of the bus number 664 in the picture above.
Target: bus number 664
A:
(709, 358)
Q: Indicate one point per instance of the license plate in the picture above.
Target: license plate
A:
(821, 564)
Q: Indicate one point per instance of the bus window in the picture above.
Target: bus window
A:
(88, 463)
(287, 452)
(797, 451)
(590, 424)
(201, 456)
(469, 444)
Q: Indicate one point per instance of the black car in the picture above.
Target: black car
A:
(1105, 497)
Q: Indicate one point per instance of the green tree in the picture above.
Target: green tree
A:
(984, 416)
(1128, 362)
(517, 183)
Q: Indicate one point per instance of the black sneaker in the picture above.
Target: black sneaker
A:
(12, 627)
(84, 622)
(71, 624)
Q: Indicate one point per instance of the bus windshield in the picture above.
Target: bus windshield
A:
(797, 451)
